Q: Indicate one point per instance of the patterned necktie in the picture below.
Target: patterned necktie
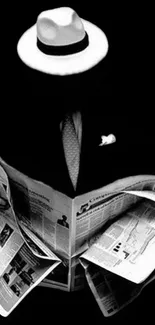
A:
(71, 147)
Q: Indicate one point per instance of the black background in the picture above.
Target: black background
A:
(126, 72)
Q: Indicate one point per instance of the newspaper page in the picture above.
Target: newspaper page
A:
(45, 211)
(93, 210)
(20, 269)
(7, 213)
(112, 292)
(43, 216)
(78, 278)
(23, 263)
(4, 184)
(21, 274)
(127, 244)
(59, 278)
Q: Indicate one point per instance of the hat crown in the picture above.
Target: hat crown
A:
(60, 26)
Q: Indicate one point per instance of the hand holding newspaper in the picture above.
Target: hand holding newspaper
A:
(45, 236)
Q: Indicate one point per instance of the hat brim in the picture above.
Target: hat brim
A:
(63, 65)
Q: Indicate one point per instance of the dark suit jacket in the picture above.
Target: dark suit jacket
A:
(36, 145)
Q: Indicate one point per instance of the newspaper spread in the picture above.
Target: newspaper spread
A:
(57, 230)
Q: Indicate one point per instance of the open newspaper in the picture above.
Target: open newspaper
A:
(49, 239)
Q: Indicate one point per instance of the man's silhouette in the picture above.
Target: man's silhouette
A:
(63, 221)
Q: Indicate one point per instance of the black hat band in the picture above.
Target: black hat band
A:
(63, 49)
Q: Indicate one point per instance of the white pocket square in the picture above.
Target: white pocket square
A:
(107, 139)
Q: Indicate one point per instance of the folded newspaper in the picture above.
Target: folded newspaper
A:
(102, 238)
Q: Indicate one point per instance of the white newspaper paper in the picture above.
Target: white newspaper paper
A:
(112, 293)
(51, 224)
(127, 244)
(22, 266)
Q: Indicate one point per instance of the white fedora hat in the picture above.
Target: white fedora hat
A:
(61, 43)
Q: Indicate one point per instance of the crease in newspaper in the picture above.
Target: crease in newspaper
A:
(145, 194)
